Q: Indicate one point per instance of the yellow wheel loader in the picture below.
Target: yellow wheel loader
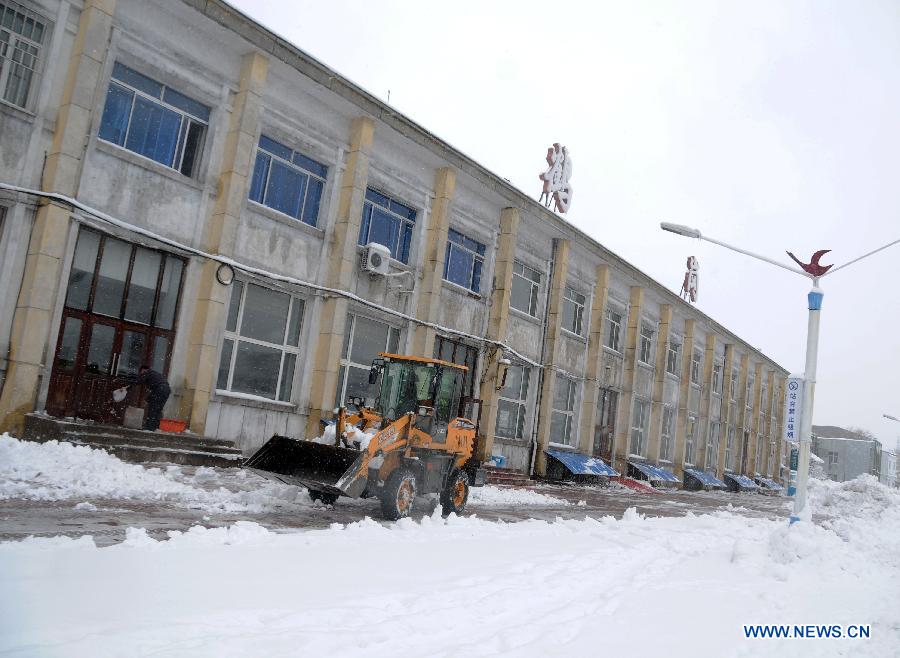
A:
(417, 445)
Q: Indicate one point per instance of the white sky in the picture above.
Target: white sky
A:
(768, 125)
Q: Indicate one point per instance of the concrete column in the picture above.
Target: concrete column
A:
(632, 334)
(551, 338)
(725, 418)
(219, 236)
(706, 401)
(659, 382)
(435, 255)
(741, 463)
(753, 446)
(498, 319)
(684, 390)
(32, 338)
(768, 423)
(781, 382)
(594, 361)
(342, 263)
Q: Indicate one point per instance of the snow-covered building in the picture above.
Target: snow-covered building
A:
(846, 457)
(152, 151)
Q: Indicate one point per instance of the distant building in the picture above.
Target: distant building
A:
(889, 468)
(849, 456)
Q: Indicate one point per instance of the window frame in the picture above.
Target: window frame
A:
(477, 254)
(729, 448)
(186, 120)
(570, 299)
(534, 290)
(520, 403)
(696, 377)
(614, 335)
(34, 48)
(346, 362)
(690, 437)
(405, 215)
(717, 378)
(320, 177)
(673, 352)
(666, 431)
(712, 445)
(639, 431)
(285, 348)
(569, 413)
(646, 345)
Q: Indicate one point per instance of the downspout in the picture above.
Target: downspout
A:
(551, 264)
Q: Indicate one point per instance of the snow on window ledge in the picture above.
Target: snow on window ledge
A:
(237, 398)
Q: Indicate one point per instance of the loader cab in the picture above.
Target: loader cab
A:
(427, 387)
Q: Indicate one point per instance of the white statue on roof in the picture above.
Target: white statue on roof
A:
(556, 178)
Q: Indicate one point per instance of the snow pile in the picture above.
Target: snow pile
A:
(353, 434)
(491, 495)
(523, 589)
(62, 471)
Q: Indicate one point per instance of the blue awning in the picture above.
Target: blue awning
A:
(706, 479)
(579, 464)
(771, 485)
(655, 472)
(740, 482)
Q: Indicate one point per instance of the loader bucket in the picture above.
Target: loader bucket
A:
(303, 463)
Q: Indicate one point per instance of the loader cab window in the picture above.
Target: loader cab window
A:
(405, 387)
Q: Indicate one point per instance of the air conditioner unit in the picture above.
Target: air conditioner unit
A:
(376, 259)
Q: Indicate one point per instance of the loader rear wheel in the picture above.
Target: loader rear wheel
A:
(398, 494)
(325, 497)
(456, 494)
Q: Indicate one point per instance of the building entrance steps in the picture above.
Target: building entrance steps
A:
(132, 445)
(637, 485)
(508, 476)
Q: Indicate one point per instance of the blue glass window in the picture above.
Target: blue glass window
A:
(287, 181)
(387, 222)
(150, 119)
(464, 261)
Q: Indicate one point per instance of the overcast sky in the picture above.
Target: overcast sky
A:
(769, 125)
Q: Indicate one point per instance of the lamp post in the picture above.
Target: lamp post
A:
(814, 302)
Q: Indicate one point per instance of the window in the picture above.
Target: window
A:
(364, 340)
(734, 384)
(287, 181)
(613, 327)
(262, 335)
(464, 262)
(387, 222)
(666, 443)
(21, 38)
(461, 354)
(748, 399)
(604, 430)
(729, 449)
(696, 366)
(712, 446)
(689, 436)
(639, 418)
(573, 312)
(511, 403)
(646, 346)
(832, 458)
(562, 418)
(759, 452)
(717, 378)
(672, 358)
(526, 283)
(153, 120)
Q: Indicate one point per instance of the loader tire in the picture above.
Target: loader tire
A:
(398, 494)
(455, 494)
(325, 497)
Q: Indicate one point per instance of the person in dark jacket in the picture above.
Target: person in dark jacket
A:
(159, 392)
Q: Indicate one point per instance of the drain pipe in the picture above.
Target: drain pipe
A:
(551, 264)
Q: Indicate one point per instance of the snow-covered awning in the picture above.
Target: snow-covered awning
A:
(766, 483)
(656, 473)
(705, 479)
(738, 482)
(579, 464)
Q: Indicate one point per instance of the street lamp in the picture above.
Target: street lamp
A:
(815, 272)
(889, 417)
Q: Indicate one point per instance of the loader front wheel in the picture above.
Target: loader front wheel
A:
(455, 494)
(398, 494)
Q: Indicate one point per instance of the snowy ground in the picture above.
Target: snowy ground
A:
(682, 585)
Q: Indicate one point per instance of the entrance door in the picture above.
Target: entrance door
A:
(120, 312)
